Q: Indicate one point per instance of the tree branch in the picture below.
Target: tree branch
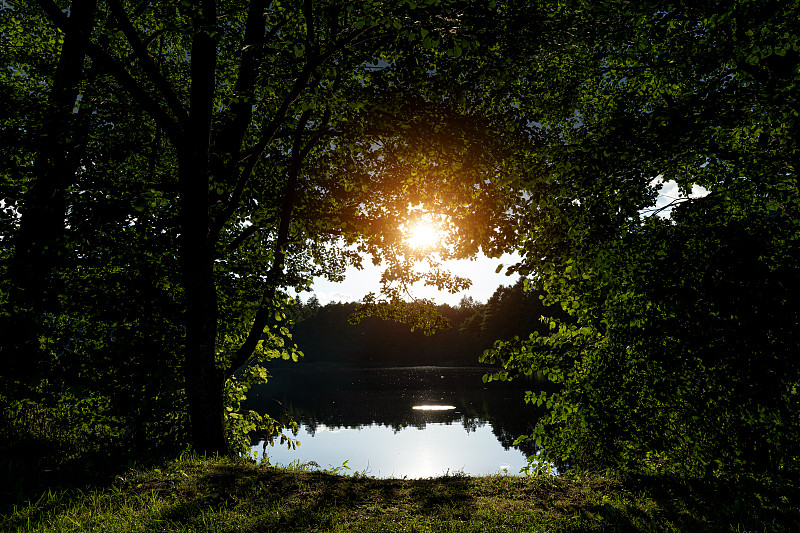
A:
(232, 134)
(243, 236)
(300, 84)
(150, 68)
(265, 310)
(113, 67)
(308, 14)
(142, 97)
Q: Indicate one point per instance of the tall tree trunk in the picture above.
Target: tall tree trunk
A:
(39, 243)
(204, 381)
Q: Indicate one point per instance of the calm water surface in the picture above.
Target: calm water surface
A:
(398, 422)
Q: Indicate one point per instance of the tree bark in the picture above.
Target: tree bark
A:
(204, 381)
(39, 244)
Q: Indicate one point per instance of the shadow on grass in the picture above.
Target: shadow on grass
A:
(752, 504)
(46, 471)
(226, 495)
(276, 500)
(30, 470)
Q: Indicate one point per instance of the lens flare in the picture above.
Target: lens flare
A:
(423, 235)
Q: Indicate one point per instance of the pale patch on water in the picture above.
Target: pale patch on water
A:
(387, 452)
(434, 407)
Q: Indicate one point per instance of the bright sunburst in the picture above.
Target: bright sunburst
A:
(423, 235)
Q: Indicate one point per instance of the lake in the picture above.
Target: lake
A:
(398, 422)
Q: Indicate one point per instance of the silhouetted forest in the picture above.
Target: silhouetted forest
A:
(326, 335)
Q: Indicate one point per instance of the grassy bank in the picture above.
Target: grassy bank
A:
(224, 495)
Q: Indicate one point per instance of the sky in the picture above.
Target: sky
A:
(358, 283)
(669, 192)
(481, 270)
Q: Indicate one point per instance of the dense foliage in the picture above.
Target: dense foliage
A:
(170, 171)
(683, 355)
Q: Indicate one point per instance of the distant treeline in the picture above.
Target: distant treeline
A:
(325, 334)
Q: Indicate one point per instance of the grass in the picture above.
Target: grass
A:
(225, 495)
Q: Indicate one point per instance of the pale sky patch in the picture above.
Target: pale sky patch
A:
(669, 193)
(358, 283)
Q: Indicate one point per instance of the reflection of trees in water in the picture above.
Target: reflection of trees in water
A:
(506, 435)
(360, 398)
(470, 424)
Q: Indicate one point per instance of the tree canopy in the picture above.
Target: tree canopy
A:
(681, 358)
(194, 161)
(171, 171)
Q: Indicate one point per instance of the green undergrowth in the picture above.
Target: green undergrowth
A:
(221, 495)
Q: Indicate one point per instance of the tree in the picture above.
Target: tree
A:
(271, 128)
(679, 360)
(57, 147)
(82, 272)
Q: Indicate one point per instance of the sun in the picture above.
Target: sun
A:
(423, 235)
